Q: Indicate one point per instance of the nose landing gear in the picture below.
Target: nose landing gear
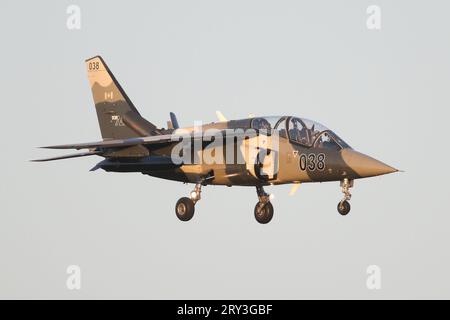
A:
(343, 206)
(263, 209)
(185, 207)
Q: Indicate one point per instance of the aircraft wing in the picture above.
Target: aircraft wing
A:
(116, 143)
(69, 156)
(122, 143)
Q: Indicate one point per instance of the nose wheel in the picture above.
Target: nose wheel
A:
(263, 212)
(343, 206)
(264, 208)
(185, 207)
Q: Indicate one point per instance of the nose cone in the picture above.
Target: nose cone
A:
(364, 165)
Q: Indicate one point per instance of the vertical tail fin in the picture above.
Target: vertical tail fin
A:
(117, 116)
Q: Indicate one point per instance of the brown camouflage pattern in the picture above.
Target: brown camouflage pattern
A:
(132, 144)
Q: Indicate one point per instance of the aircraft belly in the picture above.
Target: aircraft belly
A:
(234, 174)
(224, 174)
(174, 175)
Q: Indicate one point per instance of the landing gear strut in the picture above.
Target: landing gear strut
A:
(263, 209)
(343, 206)
(185, 207)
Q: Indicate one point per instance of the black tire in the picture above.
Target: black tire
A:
(184, 209)
(343, 207)
(263, 214)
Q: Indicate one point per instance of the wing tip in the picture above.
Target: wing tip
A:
(68, 156)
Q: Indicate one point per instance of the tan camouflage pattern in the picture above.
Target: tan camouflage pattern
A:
(113, 107)
(132, 144)
(338, 165)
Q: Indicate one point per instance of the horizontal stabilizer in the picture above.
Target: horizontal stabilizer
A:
(99, 144)
(74, 155)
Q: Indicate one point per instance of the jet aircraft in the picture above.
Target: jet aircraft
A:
(255, 151)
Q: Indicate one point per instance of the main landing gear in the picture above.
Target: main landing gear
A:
(263, 209)
(185, 207)
(343, 206)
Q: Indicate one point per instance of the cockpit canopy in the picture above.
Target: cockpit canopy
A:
(301, 131)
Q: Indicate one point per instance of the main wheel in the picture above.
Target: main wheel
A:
(185, 209)
(263, 214)
(343, 207)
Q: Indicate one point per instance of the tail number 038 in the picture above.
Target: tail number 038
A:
(94, 65)
(312, 162)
